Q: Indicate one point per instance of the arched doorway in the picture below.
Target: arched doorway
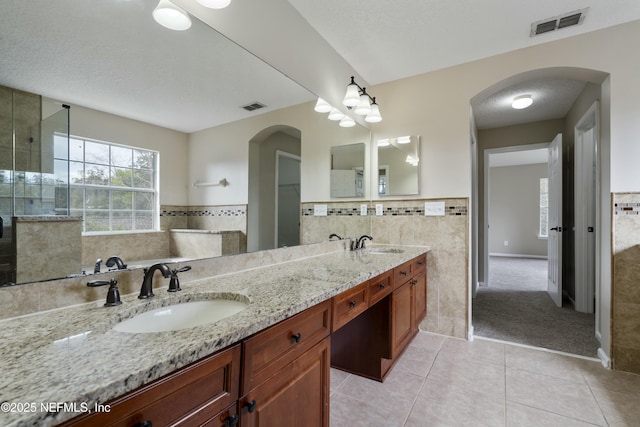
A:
(510, 132)
(274, 188)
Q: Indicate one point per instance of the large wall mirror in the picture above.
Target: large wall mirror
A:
(398, 160)
(348, 170)
(60, 49)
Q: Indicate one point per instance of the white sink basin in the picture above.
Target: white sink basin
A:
(181, 316)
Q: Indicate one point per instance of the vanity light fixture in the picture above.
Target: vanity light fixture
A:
(413, 161)
(171, 16)
(403, 139)
(521, 102)
(365, 105)
(335, 114)
(383, 142)
(347, 122)
(214, 4)
(322, 106)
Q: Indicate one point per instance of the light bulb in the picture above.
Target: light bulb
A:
(171, 16)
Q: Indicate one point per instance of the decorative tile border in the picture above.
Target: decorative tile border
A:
(213, 212)
(627, 208)
(450, 209)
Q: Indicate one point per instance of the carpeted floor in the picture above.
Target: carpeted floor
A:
(517, 308)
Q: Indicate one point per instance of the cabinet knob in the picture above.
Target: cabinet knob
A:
(232, 420)
(381, 285)
(296, 337)
(144, 424)
(251, 406)
(352, 304)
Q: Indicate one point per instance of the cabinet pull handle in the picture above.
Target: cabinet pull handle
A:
(144, 424)
(251, 406)
(420, 263)
(231, 420)
(352, 304)
(404, 273)
(296, 338)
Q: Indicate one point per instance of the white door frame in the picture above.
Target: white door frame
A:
(279, 153)
(487, 175)
(587, 243)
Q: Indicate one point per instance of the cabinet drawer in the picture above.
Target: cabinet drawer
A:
(419, 264)
(349, 304)
(380, 287)
(270, 350)
(402, 273)
(191, 396)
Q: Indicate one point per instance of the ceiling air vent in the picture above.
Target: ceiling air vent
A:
(253, 106)
(555, 23)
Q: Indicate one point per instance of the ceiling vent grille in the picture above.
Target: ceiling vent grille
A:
(253, 106)
(555, 23)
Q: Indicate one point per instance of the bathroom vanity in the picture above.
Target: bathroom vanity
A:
(267, 365)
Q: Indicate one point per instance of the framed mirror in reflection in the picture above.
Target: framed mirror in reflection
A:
(348, 170)
(398, 160)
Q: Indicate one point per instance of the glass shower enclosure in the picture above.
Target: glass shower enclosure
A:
(34, 168)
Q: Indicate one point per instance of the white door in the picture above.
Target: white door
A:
(554, 242)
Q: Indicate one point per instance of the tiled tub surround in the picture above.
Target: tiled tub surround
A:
(73, 355)
(625, 348)
(404, 222)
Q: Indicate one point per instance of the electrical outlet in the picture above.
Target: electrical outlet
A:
(319, 210)
(434, 208)
(363, 210)
(379, 209)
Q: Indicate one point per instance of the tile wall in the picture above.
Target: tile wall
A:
(404, 222)
(625, 346)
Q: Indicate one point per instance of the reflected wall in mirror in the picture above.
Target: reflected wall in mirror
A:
(151, 88)
(398, 160)
(348, 170)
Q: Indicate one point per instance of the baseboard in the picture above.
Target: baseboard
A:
(518, 256)
(470, 333)
(604, 359)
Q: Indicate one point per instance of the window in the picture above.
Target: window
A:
(113, 187)
(543, 230)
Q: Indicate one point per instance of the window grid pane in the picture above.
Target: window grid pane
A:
(112, 187)
(543, 230)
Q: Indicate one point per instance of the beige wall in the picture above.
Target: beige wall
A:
(514, 206)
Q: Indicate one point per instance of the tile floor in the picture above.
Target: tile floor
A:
(443, 381)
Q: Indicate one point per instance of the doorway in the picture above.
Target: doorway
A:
(287, 214)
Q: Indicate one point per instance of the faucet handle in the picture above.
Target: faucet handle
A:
(174, 283)
(113, 294)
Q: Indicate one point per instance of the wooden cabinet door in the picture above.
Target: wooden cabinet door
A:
(297, 395)
(419, 298)
(401, 308)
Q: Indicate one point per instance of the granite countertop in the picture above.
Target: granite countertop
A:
(71, 358)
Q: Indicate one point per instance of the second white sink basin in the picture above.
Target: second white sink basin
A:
(181, 316)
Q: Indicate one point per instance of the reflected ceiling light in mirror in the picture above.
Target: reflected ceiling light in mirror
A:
(214, 4)
(365, 105)
(383, 142)
(335, 114)
(322, 106)
(403, 139)
(171, 16)
(413, 161)
(521, 102)
(347, 122)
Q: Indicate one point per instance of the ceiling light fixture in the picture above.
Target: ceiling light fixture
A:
(364, 104)
(347, 122)
(521, 102)
(171, 16)
(214, 4)
(335, 114)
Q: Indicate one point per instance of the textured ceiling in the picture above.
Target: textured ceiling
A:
(110, 55)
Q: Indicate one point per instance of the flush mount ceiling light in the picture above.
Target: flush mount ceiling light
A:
(364, 104)
(322, 106)
(521, 102)
(214, 4)
(171, 16)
